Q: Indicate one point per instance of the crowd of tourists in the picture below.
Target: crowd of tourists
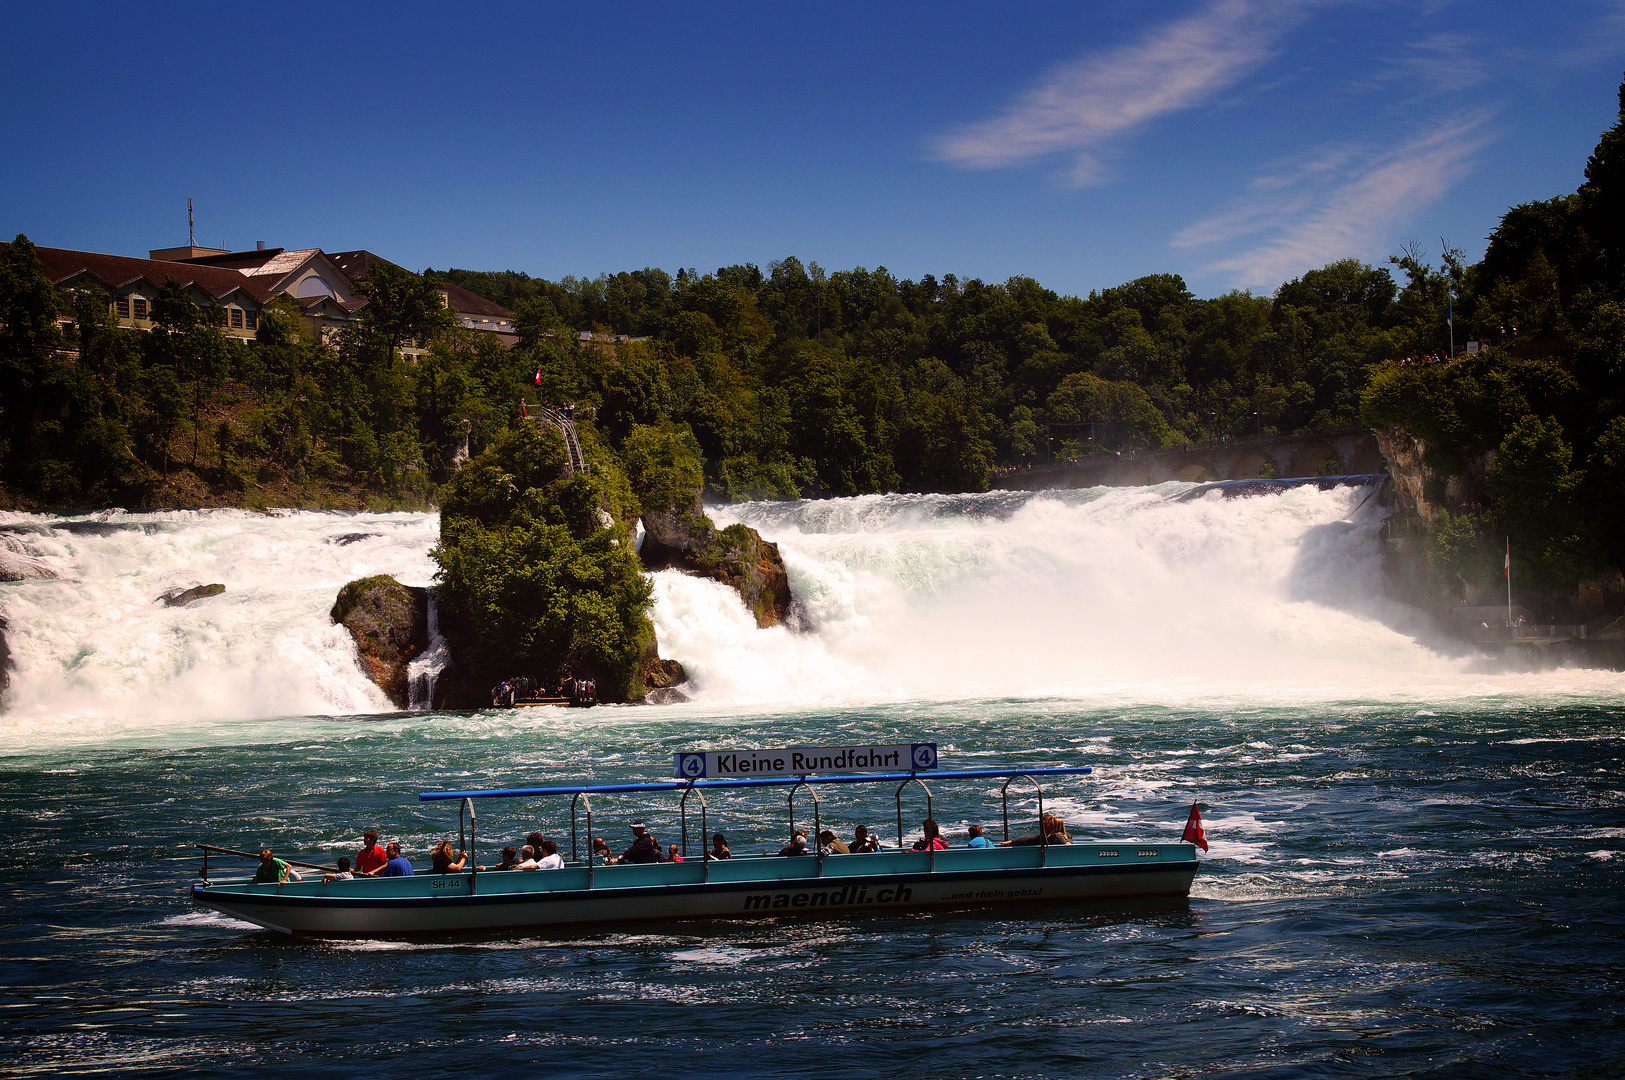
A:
(540, 853)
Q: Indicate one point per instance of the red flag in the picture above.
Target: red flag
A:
(1194, 833)
(537, 381)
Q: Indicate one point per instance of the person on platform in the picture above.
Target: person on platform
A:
(977, 839)
(930, 837)
(550, 859)
(273, 870)
(830, 844)
(370, 860)
(644, 849)
(343, 873)
(719, 848)
(863, 842)
(397, 866)
(442, 861)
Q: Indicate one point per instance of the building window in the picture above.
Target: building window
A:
(123, 305)
(140, 307)
(236, 318)
(253, 320)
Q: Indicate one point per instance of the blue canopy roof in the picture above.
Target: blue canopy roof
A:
(764, 781)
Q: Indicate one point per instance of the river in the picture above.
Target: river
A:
(1417, 863)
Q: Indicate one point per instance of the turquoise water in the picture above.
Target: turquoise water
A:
(1417, 863)
(1390, 891)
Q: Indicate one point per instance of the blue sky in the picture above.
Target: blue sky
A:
(1237, 142)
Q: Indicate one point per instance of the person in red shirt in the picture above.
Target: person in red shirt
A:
(370, 860)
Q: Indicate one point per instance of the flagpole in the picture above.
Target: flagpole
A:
(1507, 569)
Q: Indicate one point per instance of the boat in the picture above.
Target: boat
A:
(587, 891)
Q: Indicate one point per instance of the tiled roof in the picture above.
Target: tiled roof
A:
(466, 303)
(284, 264)
(355, 264)
(116, 271)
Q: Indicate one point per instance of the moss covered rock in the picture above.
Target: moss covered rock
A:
(390, 624)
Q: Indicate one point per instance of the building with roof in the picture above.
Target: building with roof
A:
(242, 283)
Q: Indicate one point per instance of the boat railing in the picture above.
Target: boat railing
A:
(1004, 804)
(818, 825)
(930, 853)
(204, 872)
(581, 803)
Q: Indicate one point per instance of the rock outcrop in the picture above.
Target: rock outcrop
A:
(1420, 490)
(182, 597)
(390, 624)
(5, 660)
(682, 537)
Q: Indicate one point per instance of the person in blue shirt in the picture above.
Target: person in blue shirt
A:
(397, 866)
(977, 839)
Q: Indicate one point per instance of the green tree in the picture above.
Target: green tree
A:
(1538, 491)
(401, 306)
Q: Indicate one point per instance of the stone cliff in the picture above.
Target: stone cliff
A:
(390, 624)
(682, 537)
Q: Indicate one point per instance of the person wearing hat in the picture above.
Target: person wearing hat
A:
(644, 849)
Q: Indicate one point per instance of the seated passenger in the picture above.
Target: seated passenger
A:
(442, 861)
(397, 866)
(535, 841)
(600, 850)
(930, 837)
(830, 844)
(673, 854)
(370, 860)
(796, 846)
(527, 859)
(977, 839)
(550, 859)
(1054, 833)
(862, 841)
(644, 849)
(510, 859)
(719, 848)
(273, 870)
(343, 871)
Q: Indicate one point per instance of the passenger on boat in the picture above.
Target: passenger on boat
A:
(600, 850)
(930, 838)
(527, 859)
(273, 870)
(510, 859)
(830, 844)
(343, 871)
(977, 839)
(644, 849)
(672, 854)
(719, 848)
(397, 866)
(1054, 833)
(796, 846)
(370, 860)
(863, 842)
(549, 857)
(535, 841)
(443, 862)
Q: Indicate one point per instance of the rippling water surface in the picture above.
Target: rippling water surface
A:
(1417, 863)
(1390, 891)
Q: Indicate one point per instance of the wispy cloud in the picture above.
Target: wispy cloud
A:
(1082, 105)
(1347, 200)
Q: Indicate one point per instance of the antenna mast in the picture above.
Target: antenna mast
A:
(190, 242)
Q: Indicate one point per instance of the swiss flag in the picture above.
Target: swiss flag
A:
(537, 381)
(1194, 833)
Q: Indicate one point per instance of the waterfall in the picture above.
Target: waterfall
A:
(425, 668)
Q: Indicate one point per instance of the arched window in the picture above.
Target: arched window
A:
(314, 286)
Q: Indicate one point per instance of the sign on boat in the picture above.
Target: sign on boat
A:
(1035, 867)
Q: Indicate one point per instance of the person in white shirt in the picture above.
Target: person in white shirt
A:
(343, 874)
(527, 859)
(551, 859)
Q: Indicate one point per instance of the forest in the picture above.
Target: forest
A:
(792, 382)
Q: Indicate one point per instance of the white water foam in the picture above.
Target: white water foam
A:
(1113, 595)
(95, 654)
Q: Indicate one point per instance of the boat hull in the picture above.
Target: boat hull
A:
(745, 888)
